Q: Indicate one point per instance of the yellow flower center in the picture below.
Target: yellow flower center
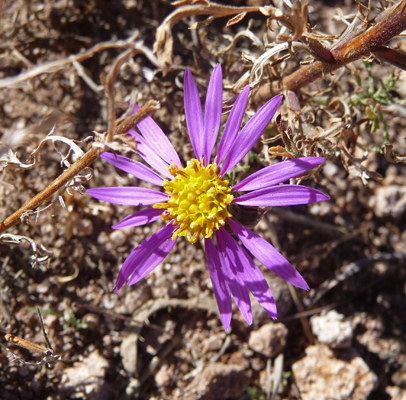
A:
(198, 200)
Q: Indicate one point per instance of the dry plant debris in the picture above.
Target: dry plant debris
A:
(68, 69)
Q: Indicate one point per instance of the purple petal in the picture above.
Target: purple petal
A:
(134, 168)
(139, 218)
(149, 154)
(128, 195)
(233, 278)
(233, 124)
(250, 133)
(194, 115)
(281, 195)
(278, 173)
(144, 258)
(212, 112)
(145, 267)
(266, 254)
(158, 140)
(220, 288)
(251, 275)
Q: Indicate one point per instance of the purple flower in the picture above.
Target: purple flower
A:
(196, 200)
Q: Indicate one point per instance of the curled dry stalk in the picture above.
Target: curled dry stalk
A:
(112, 79)
(164, 40)
(357, 41)
(40, 255)
(54, 66)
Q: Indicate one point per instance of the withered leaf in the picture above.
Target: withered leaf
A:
(279, 151)
(164, 41)
(390, 156)
(186, 2)
(236, 19)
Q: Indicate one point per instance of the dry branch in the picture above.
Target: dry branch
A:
(372, 40)
(48, 356)
(77, 167)
(164, 40)
(58, 65)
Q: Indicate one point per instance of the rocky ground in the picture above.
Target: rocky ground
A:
(162, 338)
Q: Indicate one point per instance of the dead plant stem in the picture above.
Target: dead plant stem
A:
(59, 182)
(371, 40)
(85, 161)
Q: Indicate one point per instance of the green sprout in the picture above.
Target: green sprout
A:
(73, 321)
(43, 311)
(371, 102)
(255, 393)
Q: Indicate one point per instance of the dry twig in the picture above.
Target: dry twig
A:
(48, 356)
(351, 47)
(85, 161)
(58, 65)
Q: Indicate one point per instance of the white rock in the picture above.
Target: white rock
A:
(128, 352)
(217, 381)
(269, 340)
(390, 201)
(164, 375)
(330, 169)
(332, 329)
(396, 393)
(86, 376)
(321, 376)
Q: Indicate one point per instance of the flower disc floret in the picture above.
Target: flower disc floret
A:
(198, 200)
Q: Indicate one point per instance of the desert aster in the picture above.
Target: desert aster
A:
(196, 199)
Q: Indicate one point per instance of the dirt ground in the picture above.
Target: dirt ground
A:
(162, 338)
